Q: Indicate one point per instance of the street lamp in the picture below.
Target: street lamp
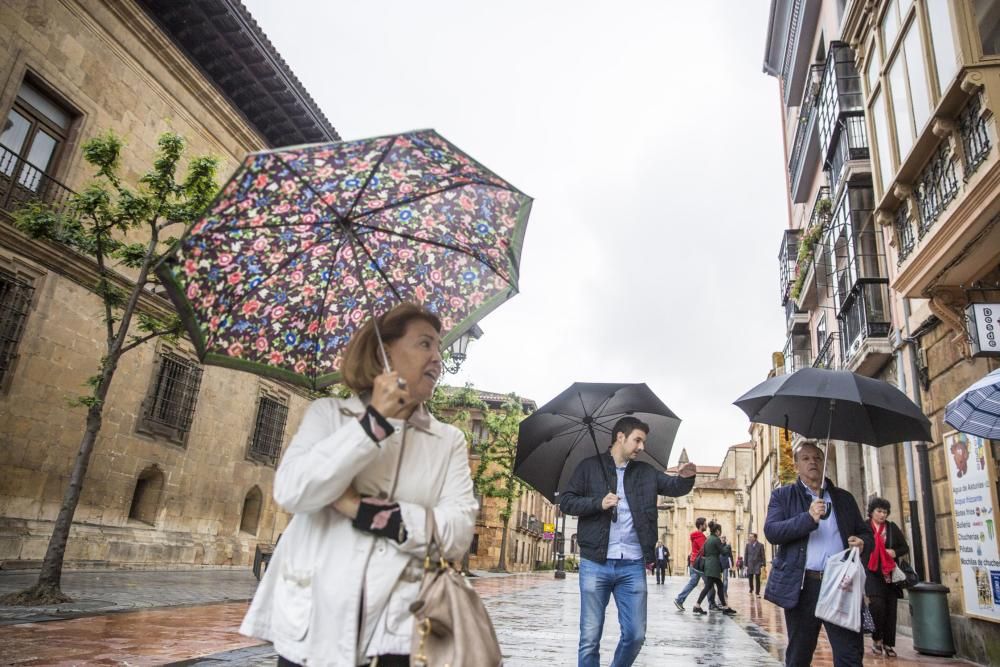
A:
(739, 530)
(455, 355)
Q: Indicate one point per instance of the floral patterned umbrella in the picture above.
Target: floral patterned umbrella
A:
(305, 243)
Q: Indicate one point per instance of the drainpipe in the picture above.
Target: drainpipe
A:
(911, 480)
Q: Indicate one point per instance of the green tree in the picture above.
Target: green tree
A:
(102, 219)
(494, 477)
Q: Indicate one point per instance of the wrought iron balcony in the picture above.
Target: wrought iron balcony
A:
(788, 262)
(851, 144)
(21, 183)
(796, 319)
(905, 239)
(840, 95)
(865, 315)
(854, 243)
(975, 137)
(808, 272)
(829, 353)
(937, 186)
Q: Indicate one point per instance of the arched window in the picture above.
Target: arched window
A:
(147, 495)
(251, 511)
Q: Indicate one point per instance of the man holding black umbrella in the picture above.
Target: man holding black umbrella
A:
(615, 549)
(811, 520)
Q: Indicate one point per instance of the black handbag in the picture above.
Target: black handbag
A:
(903, 564)
(699, 560)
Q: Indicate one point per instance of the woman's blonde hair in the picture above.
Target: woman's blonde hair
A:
(363, 360)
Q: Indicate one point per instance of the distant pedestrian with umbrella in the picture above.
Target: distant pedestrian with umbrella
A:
(614, 552)
(360, 477)
(883, 595)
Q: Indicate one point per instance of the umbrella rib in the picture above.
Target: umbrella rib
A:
(375, 264)
(368, 179)
(471, 253)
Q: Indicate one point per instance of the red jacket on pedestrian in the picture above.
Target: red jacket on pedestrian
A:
(697, 542)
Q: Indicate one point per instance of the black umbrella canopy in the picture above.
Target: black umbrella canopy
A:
(556, 438)
(864, 410)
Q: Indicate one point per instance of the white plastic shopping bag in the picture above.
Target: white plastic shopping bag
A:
(843, 590)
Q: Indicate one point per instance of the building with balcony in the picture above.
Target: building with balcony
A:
(931, 85)
(897, 156)
(183, 468)
(833, 282)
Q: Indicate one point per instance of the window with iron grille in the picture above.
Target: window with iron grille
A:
(15, 300)
(169, 408)
(269, 430)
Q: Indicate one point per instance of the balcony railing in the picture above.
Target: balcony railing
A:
(851, 144)
(905, 239)
(975, 138)
(829, 353)
(21, 183)
(854, 243)
(937, 186)
(797, 353)
(788, 262)
(865, 315)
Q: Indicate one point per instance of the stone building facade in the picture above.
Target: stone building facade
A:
(719, 495)
(889, 110)
(182, 470)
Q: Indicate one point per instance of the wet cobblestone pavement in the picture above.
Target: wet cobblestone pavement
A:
(535, 615)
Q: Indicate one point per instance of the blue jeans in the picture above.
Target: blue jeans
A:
(626, 580)
(691, 585)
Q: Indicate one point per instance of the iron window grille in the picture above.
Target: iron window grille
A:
(937, 186)
(851, 144)
(169, 408)
(865, 315)
(788, 262)
(269, 430)
(829, 352)
(975, 137)
(840, 93)
(15, 301)
(905, 240)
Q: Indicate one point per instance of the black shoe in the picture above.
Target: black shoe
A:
(679, 605)
(698, 610)
(728, 612)
(714, 607)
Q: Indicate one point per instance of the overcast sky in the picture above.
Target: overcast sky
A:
(651, 142)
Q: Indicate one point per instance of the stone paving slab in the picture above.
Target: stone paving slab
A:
(110, 591)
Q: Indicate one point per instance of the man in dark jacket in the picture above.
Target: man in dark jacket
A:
(615, 553)
(808, 529)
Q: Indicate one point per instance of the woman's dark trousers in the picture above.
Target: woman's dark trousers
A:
(720, 593)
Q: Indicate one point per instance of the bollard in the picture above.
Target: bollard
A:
(931, 619)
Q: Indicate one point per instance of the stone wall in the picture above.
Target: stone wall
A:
(110, 65)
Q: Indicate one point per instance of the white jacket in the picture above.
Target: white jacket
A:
(308, 602)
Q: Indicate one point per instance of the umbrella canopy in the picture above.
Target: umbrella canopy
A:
(821, 403)
(305, 243)
(977, 409)
(577, 424)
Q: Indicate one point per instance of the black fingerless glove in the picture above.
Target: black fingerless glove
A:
(375, 425)
(380, 518)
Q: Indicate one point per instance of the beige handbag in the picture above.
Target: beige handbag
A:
(452, 627)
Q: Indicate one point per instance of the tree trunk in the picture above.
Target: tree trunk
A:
(502, 565)
(48, 589)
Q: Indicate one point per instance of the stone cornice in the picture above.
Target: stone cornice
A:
(74, 266)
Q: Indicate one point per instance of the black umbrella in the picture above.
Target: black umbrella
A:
(554, 440)
(817, 403)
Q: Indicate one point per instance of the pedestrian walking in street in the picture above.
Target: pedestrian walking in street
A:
(739, 567)
(811, 520)
(697, 542)
(726, 562)
(662, 555)
(714, 548)
(360, 476)
(614, 553)
(883, 595)
(753, 562)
